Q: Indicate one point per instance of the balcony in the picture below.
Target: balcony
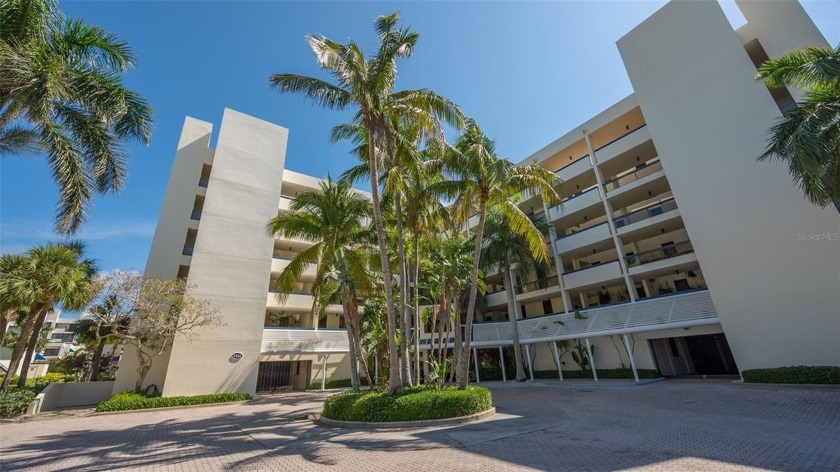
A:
(582, 238)
(538, 288)
(575, 203)
(195, 215)
(665, 257)
(639, 174)
(303, 341)
(575, 168)
(678, 310)
(622, 144)
(597, 274)
(496, 299)
(285, 202)
(188, 250)
(645, 213)
(297, 302)
(278, 264)
(203, 182)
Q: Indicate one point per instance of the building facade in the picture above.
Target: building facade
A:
(673, 249)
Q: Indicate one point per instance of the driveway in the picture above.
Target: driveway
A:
(669, 425)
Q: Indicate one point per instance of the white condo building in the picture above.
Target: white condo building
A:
(671, 241)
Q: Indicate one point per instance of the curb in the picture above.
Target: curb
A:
(772, 386)
(407, 424)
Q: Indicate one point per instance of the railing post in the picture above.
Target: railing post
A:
(591, 360)
(324, 373)
(632, 359)
(475, 360)
(530, 367)
(502, 362)
(557, 360)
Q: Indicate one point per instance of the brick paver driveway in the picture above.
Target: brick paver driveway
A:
(542, 426)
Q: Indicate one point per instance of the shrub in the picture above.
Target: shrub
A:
(795, 374)
(602, 374)
(138, 401)
(409, 404)
(15, 401)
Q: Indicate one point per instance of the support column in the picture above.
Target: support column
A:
(324, 373)
(475, 360)
(530, 367)
(558, 262)
(557, 360)
(376, 367)
(591, 360)
(502, 362)
(630, 355)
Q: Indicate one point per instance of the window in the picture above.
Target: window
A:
(682, 285)
(341, 323)
(522, 311)
(51, 351)
(547, 307)
(322, 322)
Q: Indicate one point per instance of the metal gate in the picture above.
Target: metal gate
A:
(274, 375)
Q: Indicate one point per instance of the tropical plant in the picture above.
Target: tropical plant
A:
(807, 138)
(438, 370)
(367, 85)
(482, 180)
(40, 279)
(62, 94)
(505, 250)
(334, 218)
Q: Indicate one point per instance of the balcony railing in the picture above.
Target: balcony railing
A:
(538, 285)
(580, 231)
(640, 172)
(622, 136)
(188, 250)
(591, 266)
(303, 340)
(661, 253)
(578, 194)
(203, 182)
(195, 215)
(650, 211)
(572, 163)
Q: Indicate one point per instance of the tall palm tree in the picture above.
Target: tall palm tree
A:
(62, 94)
(45, 276)
(504, 250)
(367, 84)
(482, 180)
(808, 138)
(335, 219)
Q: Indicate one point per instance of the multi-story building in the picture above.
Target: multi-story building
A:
(61, 340)
(212, 231)
(673, 249)
(670, 238)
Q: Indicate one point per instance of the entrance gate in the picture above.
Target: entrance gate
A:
(274, 375)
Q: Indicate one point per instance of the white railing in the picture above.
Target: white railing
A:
(303, 340)
(673, 311)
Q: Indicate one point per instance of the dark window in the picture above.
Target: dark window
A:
(51, 351)
(322, 322)
(547, 307)
(522, 311)
(341, 323)
(681, 285)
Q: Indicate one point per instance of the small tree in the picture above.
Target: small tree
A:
(158, 310)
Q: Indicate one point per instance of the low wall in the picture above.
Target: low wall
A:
(63, 395)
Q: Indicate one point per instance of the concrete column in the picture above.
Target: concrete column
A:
(324, 373)
(502, 362)
(558, 262)
(557, 360)
(530, 367)
(475, 360)
(591, 360)
(630, 355)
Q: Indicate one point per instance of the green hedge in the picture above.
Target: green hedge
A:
(337, 383)
(795, 374)
(15, 401)
(409, 404)
(602, 374)
(138, 401)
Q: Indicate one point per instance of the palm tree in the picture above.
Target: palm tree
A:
(61, 93)
(367, 84)
(807, 138)
(482, 180)
(334, 219)
(40, 279)
(503, 250)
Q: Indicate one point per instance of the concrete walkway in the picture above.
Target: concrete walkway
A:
(662, 426)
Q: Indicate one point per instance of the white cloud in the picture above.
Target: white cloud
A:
(18, 234)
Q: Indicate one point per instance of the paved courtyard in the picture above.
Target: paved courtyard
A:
(669, 425)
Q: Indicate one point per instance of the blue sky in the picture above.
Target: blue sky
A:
(527, 71)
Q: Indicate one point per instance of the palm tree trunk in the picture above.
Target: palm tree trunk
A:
(405, 318)
(458, 338)
(514, 328)
(4, 325)
(393, 371)
(20, 344)
(416, 280)
(30, 348)
(464, 365)
(351, 344)
(97, 360)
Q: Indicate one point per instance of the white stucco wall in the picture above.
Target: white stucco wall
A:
(777, 295)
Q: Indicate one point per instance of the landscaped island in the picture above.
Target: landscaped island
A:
(409, 404)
